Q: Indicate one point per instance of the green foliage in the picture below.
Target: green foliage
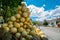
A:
(8, 8)
(35, 22)
(11, 3)
(45, 23)
(10, 12)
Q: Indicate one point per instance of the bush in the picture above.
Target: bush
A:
(35, 22)
(45, 23)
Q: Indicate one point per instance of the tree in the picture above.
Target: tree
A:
(36, 22)
(45, 23)
(5, 5)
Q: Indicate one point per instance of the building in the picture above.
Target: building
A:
(53, 22)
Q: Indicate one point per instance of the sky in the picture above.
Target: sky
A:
(43, 9)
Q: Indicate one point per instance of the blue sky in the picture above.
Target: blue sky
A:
(47, 8)
(49, 4)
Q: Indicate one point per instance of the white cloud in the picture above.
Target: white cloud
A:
(57, 6)
(36, 9)
(39, 12)
(55, 12)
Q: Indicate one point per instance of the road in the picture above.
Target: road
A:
(52, 33)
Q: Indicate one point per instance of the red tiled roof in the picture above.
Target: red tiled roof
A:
(54, 19)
